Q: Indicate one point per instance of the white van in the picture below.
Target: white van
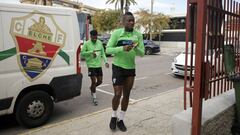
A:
(39, 60)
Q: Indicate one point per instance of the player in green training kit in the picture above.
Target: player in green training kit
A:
(125, 43)
(93, 52)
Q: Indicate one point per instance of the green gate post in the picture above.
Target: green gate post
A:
(236, 86)
(229, 62)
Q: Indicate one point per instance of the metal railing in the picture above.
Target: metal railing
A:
(211, 24)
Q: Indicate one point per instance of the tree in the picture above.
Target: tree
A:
(143, 19)
(127, 3)
(105, 21)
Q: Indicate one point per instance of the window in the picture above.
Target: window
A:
(177, 23)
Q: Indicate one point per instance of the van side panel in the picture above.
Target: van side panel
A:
(13, 79)
(66, 87)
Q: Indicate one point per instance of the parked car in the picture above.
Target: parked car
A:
(104, 40)
(151, 47)
(178, 65)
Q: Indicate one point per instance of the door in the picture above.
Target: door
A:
(2, 87)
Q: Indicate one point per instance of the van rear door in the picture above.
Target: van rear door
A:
(5, 102)
(2, 89)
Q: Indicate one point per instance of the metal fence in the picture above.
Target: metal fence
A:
(211, 24)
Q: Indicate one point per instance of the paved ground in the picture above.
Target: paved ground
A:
(149, 116)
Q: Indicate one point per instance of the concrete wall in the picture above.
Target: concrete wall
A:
(173, 44)
(217, 116)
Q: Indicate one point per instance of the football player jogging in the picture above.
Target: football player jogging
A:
(124, 43)
(93, 52)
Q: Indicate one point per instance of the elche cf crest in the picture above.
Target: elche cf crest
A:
(38, 40)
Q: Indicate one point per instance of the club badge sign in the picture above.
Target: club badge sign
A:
(38, 40)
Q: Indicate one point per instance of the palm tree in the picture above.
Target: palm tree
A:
(127, 3)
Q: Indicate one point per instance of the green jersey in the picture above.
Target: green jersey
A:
(87, 52)
(123, 58)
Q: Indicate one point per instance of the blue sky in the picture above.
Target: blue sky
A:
(163, 6)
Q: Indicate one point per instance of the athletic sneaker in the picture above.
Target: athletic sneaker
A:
(95, 102)
(113, 123)
(121, 126)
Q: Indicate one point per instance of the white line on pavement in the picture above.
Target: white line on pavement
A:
(141, 78)
(104, 91)
(137, 79)
(132, 100)
(103, 85)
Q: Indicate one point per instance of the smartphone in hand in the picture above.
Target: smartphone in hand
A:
(135, 45)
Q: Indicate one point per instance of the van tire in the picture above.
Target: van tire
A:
(34, 109)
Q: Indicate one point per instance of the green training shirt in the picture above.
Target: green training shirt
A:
(87, 52)
(123, 58)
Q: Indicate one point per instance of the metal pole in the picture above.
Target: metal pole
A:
(151, 22)
(199, 60)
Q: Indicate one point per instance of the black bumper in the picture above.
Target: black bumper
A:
(66, 87)
(156, 49)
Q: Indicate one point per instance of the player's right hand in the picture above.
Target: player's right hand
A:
(94, 54)
(127, 47)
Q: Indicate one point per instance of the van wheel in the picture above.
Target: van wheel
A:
(34, 109)
(148, 51)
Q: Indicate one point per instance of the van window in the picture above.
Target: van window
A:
(82, 24)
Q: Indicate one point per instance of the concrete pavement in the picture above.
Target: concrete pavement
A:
(149, 116)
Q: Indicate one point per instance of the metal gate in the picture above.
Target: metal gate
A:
(211, 24)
